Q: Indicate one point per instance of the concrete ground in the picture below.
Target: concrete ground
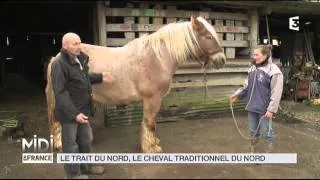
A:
(194, 136)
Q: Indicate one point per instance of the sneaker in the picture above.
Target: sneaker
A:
(96, 170)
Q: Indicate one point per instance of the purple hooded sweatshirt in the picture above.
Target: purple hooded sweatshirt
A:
(262, 90)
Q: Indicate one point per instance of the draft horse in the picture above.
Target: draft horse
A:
(142, 70)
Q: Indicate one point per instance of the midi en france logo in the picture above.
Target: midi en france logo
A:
(37, 150)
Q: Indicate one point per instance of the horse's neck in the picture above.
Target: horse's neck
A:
(133, 51)
(170, 64)
(145, 52)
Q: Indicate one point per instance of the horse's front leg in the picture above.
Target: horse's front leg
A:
(149, 141)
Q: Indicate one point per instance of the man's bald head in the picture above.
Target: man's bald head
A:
(71, 43)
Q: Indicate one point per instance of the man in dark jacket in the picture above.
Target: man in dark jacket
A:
(72, 87)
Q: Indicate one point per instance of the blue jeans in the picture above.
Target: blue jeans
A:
(76, 138)
(265, 127)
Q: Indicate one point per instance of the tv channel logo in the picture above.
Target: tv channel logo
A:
(294, 23)
(42, 150)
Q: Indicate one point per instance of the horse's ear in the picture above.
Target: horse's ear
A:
(195, 23)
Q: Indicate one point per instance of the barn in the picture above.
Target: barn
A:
(31, 33)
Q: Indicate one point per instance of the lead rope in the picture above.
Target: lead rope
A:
(235, 122)
(205, 83)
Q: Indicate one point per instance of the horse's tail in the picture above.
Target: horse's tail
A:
(54, 124)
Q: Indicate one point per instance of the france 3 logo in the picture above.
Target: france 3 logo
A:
(294, 23)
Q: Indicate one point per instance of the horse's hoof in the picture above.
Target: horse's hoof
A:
(157, 141)
(58, 147)
(157, 149)
(153, 149)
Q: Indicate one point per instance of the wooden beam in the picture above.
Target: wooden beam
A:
(295, 10)
(234, 43)
(122, 41)
(155, 27)
(281, 7)
(101, 24)
(172, 13)
(230, 81)
(212, 71)
(235, 63)
(254, 28)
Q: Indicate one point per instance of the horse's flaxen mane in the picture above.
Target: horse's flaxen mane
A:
(178, 38)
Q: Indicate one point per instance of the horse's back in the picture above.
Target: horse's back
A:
(114, 60)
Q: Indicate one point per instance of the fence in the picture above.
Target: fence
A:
(130, 21)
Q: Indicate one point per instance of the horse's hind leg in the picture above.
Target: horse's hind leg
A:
(149, 142)
(55, 130)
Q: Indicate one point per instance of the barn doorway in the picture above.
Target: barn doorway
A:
(294, 49)
(31, 33)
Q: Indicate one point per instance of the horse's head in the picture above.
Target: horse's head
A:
(210, 49)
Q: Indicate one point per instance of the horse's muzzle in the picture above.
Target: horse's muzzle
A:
(218, 60)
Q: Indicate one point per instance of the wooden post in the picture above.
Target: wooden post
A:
(230, 52)
(129, 20)
(217, 23)
(130, 36)
(254, 28)
(239, 36)
(101, 23)
(171, 19)
(317, 37)
(158, 20)
(143, 19)
(100, 36)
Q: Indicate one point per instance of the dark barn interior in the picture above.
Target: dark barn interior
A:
(292, 50)
(288, 39)
(31, 33)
